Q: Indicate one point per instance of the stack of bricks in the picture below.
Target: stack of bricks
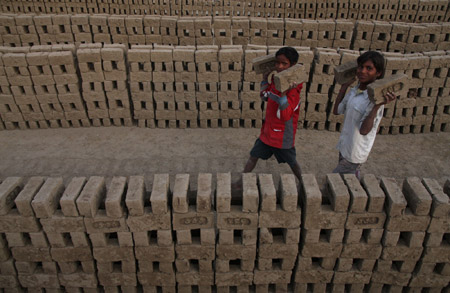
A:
(426, 11)
(119, 34)
(343, 34)
(26, 30)
(416, 39)
(186, 31)
(141, 86)
(222, 31)
(406, 225)
(135, 30)
(81, 29)
(433, 269)
(62, 28)
(342, 10)
(152, 27)
(34, 261)
(435, 85)
(168, 30)
(293, 32)
(363, 233)
(19, 77)
(207, 81)
(112, 242)
(100, 29)
(363, 35)
(353, 10)
(45, 29)
(387, 10)
(115, 84)
(279, 233)
(310, 37)
(323, 222)
(395, 63)
(240, 30)
(19, 258)
(8, 31)
(305, 57)
(320, 87)
(150, 222)
(203, 31)
(310, 9)
(404, 105)
(275, 32)
(90, 65)
(9, 111)
(237, 224)
(163, 82)
(258, 31)
(231, 64)
(193, 221)
(381, 36)
(399, 33)
(65, 230)
(45, 87)
(76, 6)
(252, 113)
(185, 82)
(326, 33)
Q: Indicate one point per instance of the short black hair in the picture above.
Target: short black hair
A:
(376, 58)
(290, 53)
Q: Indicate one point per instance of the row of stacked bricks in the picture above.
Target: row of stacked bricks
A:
(41, 89)
(412, 11)
(92, 233)
(29, 30)
(103, 73)
(399, 36)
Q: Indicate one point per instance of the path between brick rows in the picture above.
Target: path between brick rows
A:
(125, 151)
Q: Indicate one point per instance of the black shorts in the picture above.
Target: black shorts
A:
(263, 151)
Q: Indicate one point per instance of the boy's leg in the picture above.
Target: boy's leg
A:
(250, 165)
(346, 167)
(296, 170)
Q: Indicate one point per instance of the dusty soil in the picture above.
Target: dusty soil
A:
(125, 151)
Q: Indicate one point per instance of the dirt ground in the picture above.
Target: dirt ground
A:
(126, 151)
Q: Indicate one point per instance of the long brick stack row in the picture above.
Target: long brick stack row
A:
(198, 86)
(93, 234)
(384, 35)
(399, 10)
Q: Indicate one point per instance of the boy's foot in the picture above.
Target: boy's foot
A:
(236, 186)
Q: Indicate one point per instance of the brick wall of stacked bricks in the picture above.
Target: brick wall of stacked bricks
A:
(50, 86)
(119, 235)
(385, 10)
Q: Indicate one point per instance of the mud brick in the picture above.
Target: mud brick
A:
(71, 254)
(155, 253)
(419, 200)
(46, 201)
(70, 195)
(91, 197)
(156, 279)
(345, 72)
(9, 190)
(31, 254)
(78, 279)
(39, 279)
(236, 251)
(271, 277)
(395, 83)
(396, 202)
(440, 205)
(223, 193)
(234, 278)
(117, 278)
(284, 79)
(268, 193)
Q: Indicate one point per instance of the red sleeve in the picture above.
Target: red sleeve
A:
(293, 98)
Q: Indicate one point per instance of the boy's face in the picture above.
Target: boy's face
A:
(282, 63)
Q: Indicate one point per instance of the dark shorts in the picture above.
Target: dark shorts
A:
(263, 151)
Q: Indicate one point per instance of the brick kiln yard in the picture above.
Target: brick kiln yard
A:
(125, 151)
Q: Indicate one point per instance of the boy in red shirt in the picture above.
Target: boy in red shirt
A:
(280, 125)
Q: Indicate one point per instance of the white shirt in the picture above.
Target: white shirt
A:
(353, 146)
